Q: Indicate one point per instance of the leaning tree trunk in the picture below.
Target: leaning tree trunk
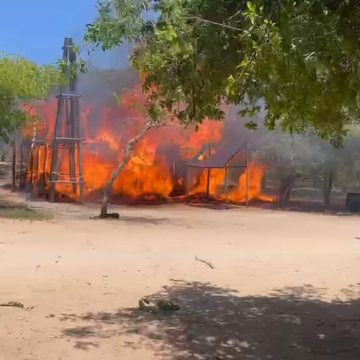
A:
(286, 185)
(128, 152)
(327, 186)
(284, 191)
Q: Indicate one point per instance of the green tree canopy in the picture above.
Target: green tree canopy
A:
(301, 57)
(22, 81)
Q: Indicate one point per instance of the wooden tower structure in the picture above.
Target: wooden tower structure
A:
(66, 143)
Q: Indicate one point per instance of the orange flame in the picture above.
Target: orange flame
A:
(250, 185)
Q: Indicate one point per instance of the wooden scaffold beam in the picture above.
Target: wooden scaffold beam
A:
(67, 131)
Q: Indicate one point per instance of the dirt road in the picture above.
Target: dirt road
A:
(267, 298)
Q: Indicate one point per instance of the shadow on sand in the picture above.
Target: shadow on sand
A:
(143, 220)
(215, 323)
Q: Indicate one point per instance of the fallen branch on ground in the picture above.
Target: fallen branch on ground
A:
(205, 262)
(154, 307)
(13, 304)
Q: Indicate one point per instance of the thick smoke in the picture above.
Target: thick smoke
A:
(312, 161)
(306, 159)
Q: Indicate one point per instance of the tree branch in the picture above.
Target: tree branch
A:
(214, 23)
(128, 153)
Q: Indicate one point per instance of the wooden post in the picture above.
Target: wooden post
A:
(36, 170)
(55, 145)
(72, 145)
(187, 183)
(14, 165)
(78, 134)
(21, 170)
(43, 165)
(208, 183)
(208, 177)
(23, 178)
(247, 174)
(226, 187)
(29, 172)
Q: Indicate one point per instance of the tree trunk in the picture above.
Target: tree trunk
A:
(286, 185)
(128, 152)
(327, 186)
(285, 190)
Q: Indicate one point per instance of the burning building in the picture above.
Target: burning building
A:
(159, 166)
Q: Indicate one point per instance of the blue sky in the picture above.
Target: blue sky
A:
(35, 29)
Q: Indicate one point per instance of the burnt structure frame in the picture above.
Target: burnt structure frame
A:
(67, 130)
(209, 164)
(30, 172)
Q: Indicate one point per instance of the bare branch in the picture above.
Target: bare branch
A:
(128, 153)
(208, 263)
(215, 23)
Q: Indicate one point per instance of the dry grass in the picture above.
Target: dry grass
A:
(14, 211)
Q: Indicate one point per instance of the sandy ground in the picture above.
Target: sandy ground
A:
(276, 292)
